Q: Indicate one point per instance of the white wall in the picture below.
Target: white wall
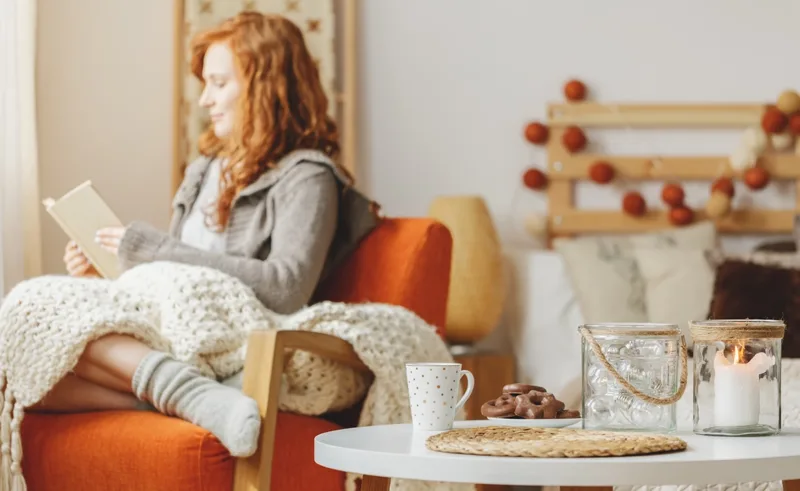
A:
(104, 89)
(448, 86)
(446, 89)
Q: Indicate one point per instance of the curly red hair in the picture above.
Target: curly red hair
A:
(282, 107)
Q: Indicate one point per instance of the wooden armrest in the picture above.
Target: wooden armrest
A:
(325, 345)
(263, 368)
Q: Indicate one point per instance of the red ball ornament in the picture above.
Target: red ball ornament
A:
(724, 184)
(537, 133)
(633, 204)
(756, 178)
(672, 194)
(575, 90)
(794, 124)
(534, 179)
(601, 172)
(773, 120)
(681, 215)
(573, 139)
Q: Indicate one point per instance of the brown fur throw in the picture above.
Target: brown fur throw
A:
(744, 289)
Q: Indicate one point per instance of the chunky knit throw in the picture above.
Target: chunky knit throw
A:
(203, 317)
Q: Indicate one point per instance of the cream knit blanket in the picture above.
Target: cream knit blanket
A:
(202, 317)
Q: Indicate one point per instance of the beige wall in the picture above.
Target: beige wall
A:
(105, 94)
(449, 101)
(104, 84)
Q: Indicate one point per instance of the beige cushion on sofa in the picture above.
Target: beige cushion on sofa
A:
(605, 274)
(678, 285)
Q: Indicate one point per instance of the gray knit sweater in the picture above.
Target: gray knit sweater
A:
(287, 231)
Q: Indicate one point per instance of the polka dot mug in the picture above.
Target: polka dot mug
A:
(433, 390)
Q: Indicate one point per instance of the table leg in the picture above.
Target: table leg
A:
(374, 483)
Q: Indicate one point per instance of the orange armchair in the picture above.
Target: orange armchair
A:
(403, 262)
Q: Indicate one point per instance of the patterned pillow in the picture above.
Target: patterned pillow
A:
(604, 272)
(678, 285)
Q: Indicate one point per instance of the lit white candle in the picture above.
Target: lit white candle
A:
(736, 394)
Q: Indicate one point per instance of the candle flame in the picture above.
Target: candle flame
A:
(736, 355)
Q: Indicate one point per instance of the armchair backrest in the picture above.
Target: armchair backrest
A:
(404, 261)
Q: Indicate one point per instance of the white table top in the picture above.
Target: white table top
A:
(396, 451)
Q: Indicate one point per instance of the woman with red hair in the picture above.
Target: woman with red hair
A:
(266, 203)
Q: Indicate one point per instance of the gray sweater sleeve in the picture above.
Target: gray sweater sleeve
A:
(305, 223)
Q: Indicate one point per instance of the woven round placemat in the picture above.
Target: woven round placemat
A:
(550, 442)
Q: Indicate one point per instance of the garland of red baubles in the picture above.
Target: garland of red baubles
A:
(774, 122)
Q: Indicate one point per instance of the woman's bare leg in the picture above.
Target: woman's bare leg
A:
(102, 379)
(75, 395)
(96, 374)
(123, 364)
(112, 360)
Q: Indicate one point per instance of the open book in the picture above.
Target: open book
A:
(81, 213)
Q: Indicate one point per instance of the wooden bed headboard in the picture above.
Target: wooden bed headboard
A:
(565, 169)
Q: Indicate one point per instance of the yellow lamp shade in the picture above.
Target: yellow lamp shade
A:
(477, 283)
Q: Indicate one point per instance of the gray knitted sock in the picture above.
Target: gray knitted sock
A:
(178, 389)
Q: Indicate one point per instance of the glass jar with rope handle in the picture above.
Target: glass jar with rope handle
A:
(633, 374)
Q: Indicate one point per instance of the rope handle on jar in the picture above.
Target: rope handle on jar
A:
(587, 335)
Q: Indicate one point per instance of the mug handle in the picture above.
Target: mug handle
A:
(470, 386)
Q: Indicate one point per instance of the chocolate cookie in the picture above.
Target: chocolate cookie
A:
(568, 414)
(537, 405)
(501, 407)
(517, 389)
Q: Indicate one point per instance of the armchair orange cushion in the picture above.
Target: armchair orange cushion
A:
(403, 262)
(147, 451)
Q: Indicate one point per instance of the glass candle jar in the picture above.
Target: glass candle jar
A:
(737, 376)
(633, 374)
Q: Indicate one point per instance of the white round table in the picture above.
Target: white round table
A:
(396, 451)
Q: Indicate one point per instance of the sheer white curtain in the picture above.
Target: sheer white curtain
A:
(20, 236)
